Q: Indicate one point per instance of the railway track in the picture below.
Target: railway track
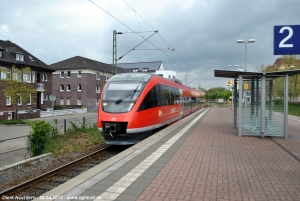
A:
(37, 186)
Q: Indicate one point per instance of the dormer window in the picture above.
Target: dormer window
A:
(1, 52)
(19, 57)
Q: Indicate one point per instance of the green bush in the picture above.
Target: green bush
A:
(39, 134)
(279, 102)
(13, 121)
(58, 107)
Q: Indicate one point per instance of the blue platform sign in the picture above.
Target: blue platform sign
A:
(287, 40)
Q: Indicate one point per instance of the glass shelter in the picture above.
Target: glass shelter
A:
(258, 110)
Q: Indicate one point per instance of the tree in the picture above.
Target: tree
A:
(292, 62)
(289, 62)
(16, 88)
(267, 68)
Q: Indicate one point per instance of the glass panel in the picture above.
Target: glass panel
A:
(251, 107)
(274, 114)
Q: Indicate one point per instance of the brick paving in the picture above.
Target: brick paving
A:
(215, 164)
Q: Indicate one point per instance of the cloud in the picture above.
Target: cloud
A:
(4, 27)
(203, 33)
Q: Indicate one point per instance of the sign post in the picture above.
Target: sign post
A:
(52, 98)
(287, 40)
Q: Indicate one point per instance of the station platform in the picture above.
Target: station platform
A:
(199, 157)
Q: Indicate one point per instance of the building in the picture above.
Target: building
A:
(285, 64)
(78, 81)
(155, 67)
(142, 66)
(41, 78)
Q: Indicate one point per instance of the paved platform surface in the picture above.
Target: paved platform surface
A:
(200, 157)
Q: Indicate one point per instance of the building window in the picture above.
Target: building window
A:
(61, 101)
(78, 101)
(62, 74)
(68, 101)
(98, 89)
(45, 96)
(68, 87)
(19, 101)
(29, 100)
(5, 73)
(8, 100)
(44, 77)
(28, 76)
(97, 76)
(68, 74)
(62, 88)
(0, 53)
(79, 87)
(21, 57)
(79, 73)
(9, 115)
(97, 101)
(16, 75)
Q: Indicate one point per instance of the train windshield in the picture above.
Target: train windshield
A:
(120, 95)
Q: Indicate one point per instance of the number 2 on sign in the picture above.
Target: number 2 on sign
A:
(282, 43)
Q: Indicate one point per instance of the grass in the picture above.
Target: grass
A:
(294, 110)
(76, 139)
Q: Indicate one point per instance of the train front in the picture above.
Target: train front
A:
(117, 108)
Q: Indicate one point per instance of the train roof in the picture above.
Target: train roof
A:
(141, 76)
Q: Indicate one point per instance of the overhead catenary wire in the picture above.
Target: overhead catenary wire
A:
(138, 33)
(138, 44)
(162, 39)
(124, 24)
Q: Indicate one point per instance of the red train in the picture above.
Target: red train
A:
(132, 105)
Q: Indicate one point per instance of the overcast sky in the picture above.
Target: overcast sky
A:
(202, 32)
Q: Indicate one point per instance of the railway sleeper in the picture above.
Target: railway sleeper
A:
(44, 187)
(59, 180)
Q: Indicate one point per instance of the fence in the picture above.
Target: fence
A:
(14, 141)
(62, 125)
(14, 149)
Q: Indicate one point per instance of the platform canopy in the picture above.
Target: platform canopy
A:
(257, 111)
(235, 74)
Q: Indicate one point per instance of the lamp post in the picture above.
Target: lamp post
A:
(232, 85)
(249, 41)
(186, 78)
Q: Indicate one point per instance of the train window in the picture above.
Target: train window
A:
(175, 97)
(166, 92)
(160, 95)
(151, 100)
(121, 96)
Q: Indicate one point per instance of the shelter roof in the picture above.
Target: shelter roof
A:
(235, 74)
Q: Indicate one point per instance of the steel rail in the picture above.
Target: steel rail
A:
(33, 181)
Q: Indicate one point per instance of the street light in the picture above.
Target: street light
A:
(186, 78)
(249, 41)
